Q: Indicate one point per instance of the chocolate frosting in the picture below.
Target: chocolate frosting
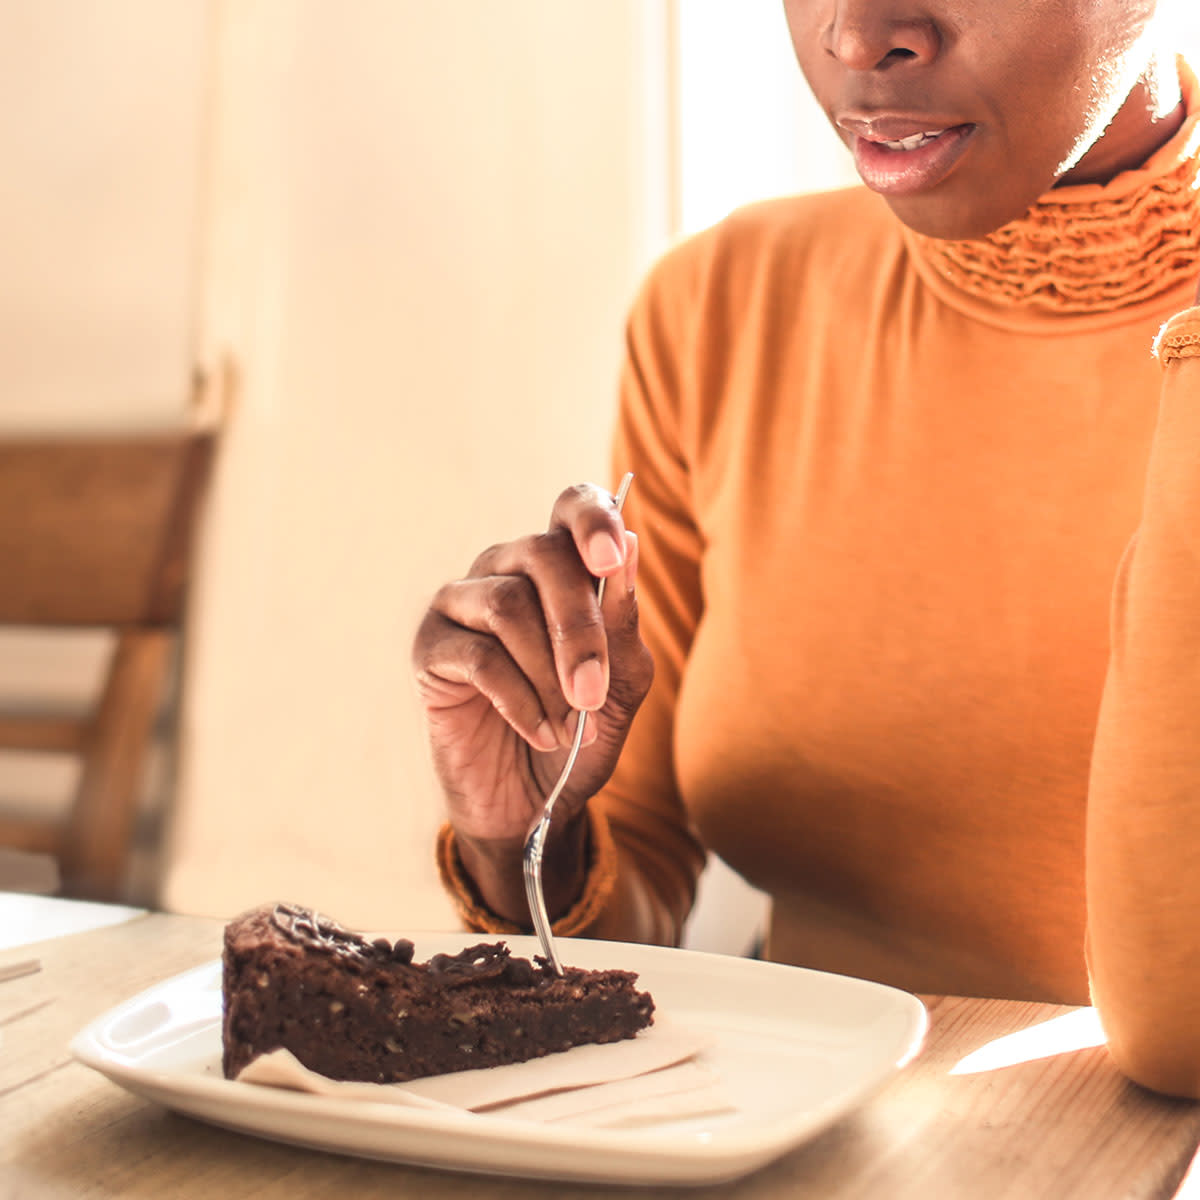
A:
(307, 927)
(487, 960)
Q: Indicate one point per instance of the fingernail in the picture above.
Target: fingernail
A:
(590, 732)
(603, 553)
(587, 685)
(544, 737)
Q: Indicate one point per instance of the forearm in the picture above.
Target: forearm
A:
(1143, 853)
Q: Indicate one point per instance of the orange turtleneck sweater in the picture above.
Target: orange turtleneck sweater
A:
(920, 570)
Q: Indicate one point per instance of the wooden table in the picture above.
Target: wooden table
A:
(955, 1123)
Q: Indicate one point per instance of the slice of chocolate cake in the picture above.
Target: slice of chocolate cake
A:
(349, 1008)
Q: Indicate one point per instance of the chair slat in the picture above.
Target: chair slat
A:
(42, 734)
(30, 835)
(91, 531)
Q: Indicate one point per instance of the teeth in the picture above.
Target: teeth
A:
(911, 143)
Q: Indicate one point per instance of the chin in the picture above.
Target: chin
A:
(953, 220)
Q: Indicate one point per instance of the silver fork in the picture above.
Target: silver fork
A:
(535, 842)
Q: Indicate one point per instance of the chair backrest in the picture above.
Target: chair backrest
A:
(98, 531)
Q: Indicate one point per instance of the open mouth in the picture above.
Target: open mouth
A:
(913, 163)
(911, 143)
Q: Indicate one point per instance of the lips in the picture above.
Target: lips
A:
(899, 156)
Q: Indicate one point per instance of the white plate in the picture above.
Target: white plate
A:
(795, 1049)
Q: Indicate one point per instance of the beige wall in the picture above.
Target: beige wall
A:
(416, 227)
(424, 223)
(102, 111)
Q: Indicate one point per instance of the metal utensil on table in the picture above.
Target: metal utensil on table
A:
(535, 842)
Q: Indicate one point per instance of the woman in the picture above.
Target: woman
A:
(917, 557)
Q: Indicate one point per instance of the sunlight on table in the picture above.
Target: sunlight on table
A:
(1077, 1030)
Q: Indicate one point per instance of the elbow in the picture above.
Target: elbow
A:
(1163, 1073)
(1161, 1056)
(1145, 984)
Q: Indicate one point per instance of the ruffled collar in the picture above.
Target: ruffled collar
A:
(1091, 248)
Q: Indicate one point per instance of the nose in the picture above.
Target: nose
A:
(867, 35)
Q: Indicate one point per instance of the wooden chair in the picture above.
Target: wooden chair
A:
(98, 531)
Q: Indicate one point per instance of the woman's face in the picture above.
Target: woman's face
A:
(963, 112)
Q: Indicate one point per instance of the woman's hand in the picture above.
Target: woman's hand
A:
(504, 657)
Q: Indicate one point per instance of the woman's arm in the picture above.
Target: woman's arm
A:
(1143, 846)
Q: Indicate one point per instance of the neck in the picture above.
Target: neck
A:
(1149, 118)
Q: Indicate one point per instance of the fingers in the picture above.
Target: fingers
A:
(596, 528)
(488, 635)
(538, 597)
(585, 540)
(454, 665)
(525, 628)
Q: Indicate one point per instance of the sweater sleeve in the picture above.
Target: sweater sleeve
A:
(1143, 838)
